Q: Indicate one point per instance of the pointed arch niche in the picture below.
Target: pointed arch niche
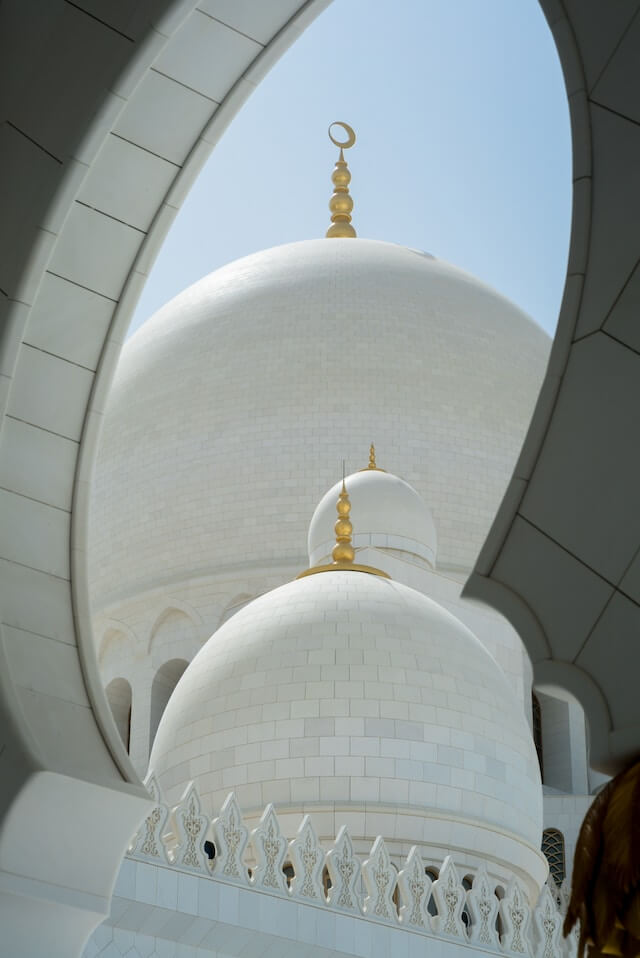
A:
(164, 682)
(119, 696)
(175, 632)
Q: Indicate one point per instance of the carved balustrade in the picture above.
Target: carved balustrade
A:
(182, 838)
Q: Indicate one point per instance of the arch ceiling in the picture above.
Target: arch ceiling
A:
(562, 560)
(112, 108)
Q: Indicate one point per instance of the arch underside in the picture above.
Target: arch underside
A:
(562, 560)
(123, 95)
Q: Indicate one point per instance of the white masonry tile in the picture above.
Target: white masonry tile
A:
(34, 534)
(95, 251)
(186, 57)
(50, 392)
(164, 117)
(69, 321)
(36, 601)
(23, 450)
(58, 672)
(125, 182)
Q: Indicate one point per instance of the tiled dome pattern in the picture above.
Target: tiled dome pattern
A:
(233, 407)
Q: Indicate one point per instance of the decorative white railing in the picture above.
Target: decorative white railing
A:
(508, 924)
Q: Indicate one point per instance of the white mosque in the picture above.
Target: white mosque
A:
(338, 740)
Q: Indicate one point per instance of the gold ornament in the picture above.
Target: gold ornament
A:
(343, 552)
(341, 203)
(372, 461)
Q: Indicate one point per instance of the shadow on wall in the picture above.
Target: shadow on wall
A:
(164, 682)
(119, 696)
(561, 737)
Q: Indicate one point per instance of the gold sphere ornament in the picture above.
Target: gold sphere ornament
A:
(343, 529)
(341, 177)
(340, 203)
(343, 552)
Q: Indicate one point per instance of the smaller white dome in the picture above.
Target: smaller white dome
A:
(361, 701)
(387, 514)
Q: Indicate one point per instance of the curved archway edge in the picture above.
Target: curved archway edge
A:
(565, 543)
(75, 256)
(72, 269)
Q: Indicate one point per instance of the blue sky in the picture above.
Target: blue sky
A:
(463, 148)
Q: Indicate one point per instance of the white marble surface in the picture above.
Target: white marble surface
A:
(344, 690)
(226, 422)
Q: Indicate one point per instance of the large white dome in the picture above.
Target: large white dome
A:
(360, 699)
(233, 407)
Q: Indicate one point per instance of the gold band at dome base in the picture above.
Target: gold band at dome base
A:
(343, 567)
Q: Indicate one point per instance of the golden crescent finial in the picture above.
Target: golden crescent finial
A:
(341, 203)
(351, 137)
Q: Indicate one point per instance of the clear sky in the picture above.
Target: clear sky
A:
(463, 148)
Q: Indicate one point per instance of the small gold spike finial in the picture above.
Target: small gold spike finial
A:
(341, 203)
(372, 461)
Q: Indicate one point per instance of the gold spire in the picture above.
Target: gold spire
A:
(372, 461)
(341, 203)
(343, 552)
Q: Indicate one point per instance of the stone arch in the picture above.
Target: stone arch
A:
(234, 605)
(119, 696)
(175, 624)
(117, 639)
(101, 71)
(164, 682)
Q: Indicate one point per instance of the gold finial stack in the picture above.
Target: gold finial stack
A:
(343, 551)
(341, 203)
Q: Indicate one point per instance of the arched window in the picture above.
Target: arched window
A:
(500, 893)
(537, 730)
(467, 884)
(164, 682)
(553, 851)
(432, 873)
(119, 697)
